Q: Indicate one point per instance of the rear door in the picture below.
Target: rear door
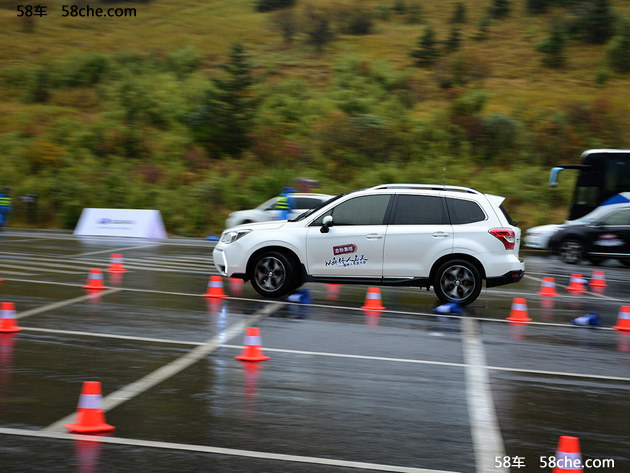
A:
(611, 236)
(417, 235)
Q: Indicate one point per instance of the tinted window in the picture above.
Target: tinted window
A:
(618, 218)
(366, 210)
(419, 210)
(464, 211)
(306, 202)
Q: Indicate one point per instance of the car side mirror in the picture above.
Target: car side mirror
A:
(326, 224)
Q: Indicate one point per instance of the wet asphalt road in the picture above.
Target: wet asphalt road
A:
(344, 390)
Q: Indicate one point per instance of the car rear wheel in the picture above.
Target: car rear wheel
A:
(571, 251)
(457, 281)
(273, 274)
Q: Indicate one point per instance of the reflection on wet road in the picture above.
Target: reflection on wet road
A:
(343, 390)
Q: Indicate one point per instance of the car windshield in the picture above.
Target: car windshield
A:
(302, 216)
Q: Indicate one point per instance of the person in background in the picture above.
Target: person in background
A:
(5, 207)
(285, 203)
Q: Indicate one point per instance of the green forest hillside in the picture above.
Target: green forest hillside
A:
(198, 108)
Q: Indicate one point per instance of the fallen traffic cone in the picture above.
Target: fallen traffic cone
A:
(215, 287)
(548, 288)
(519, 310)
(623, 319)
(448, 308)
(95, 280)
(252, 350)
(373, 299)
(90, 415)
(598, 279)
(301, 296)
(576, 284)
(116, 264)
(568, 455)
(591, 318)
(8, 322)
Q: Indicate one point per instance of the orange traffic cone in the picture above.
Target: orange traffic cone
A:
(623, 319)
(568, 455)
(236, 286)
(548, 288)
(576, 284)
(519, 310)
(95, 280)
(373, 299)
(116, 264)
(252, 350)
(8, 323)
(333, 291)
(215, 287)
(598, 279)
(90, 415)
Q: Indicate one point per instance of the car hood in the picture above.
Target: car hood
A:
(544, 228)
(273, 225)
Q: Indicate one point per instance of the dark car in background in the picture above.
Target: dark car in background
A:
(608, 237)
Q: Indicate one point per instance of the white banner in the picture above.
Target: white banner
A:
(121, 223)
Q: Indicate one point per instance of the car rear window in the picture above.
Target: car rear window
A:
(464, 211)
(419, 210)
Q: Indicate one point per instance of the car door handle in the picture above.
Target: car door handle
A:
(374, 236)
(441, 235)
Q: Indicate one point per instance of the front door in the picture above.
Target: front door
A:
(353, 246)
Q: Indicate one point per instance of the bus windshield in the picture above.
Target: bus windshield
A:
(601, 174)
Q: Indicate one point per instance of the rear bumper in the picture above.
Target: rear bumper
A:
(508, 278)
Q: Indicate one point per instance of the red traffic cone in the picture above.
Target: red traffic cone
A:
(598, 279)
(8, 322)
(90, 415)
(95, 280)
(576, 284)
(116, 264)
(373, 299)
(548, 288)
(236, 286)
(215, 287)
(333, 291)
(252, 350)
(623, 319)
(519, 310)
(568, 455)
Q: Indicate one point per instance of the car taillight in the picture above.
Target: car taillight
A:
(507, 237)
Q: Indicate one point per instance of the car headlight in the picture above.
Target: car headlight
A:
(232, 236)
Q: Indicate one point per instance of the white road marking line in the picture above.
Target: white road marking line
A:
(174, 367)
(114, 250)
(217, 450)
(56, 305)
(333, 355)
(484, 426)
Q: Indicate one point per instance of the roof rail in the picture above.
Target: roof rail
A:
(438, 187)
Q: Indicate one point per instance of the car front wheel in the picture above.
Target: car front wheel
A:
(457, 281)
(571, 251)
(273, 274)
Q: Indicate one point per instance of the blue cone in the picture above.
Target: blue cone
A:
(301, 296)
(591, 318)
(449, 308)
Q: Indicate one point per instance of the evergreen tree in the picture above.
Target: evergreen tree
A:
(427, 52)
(553, 47)
(223, 120)
(459, 15)
(454, 40)
(619, 49)
(598, 25)
(499, 8)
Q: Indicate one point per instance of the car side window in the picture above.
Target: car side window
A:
(464, 211)
(306, 202)
(618, 218)
(364, 210)
(419, 210)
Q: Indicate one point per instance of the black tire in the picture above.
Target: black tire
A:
(571, 251)
(457, 281)
(272, 274)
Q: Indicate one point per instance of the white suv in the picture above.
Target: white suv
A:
(447, 237)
